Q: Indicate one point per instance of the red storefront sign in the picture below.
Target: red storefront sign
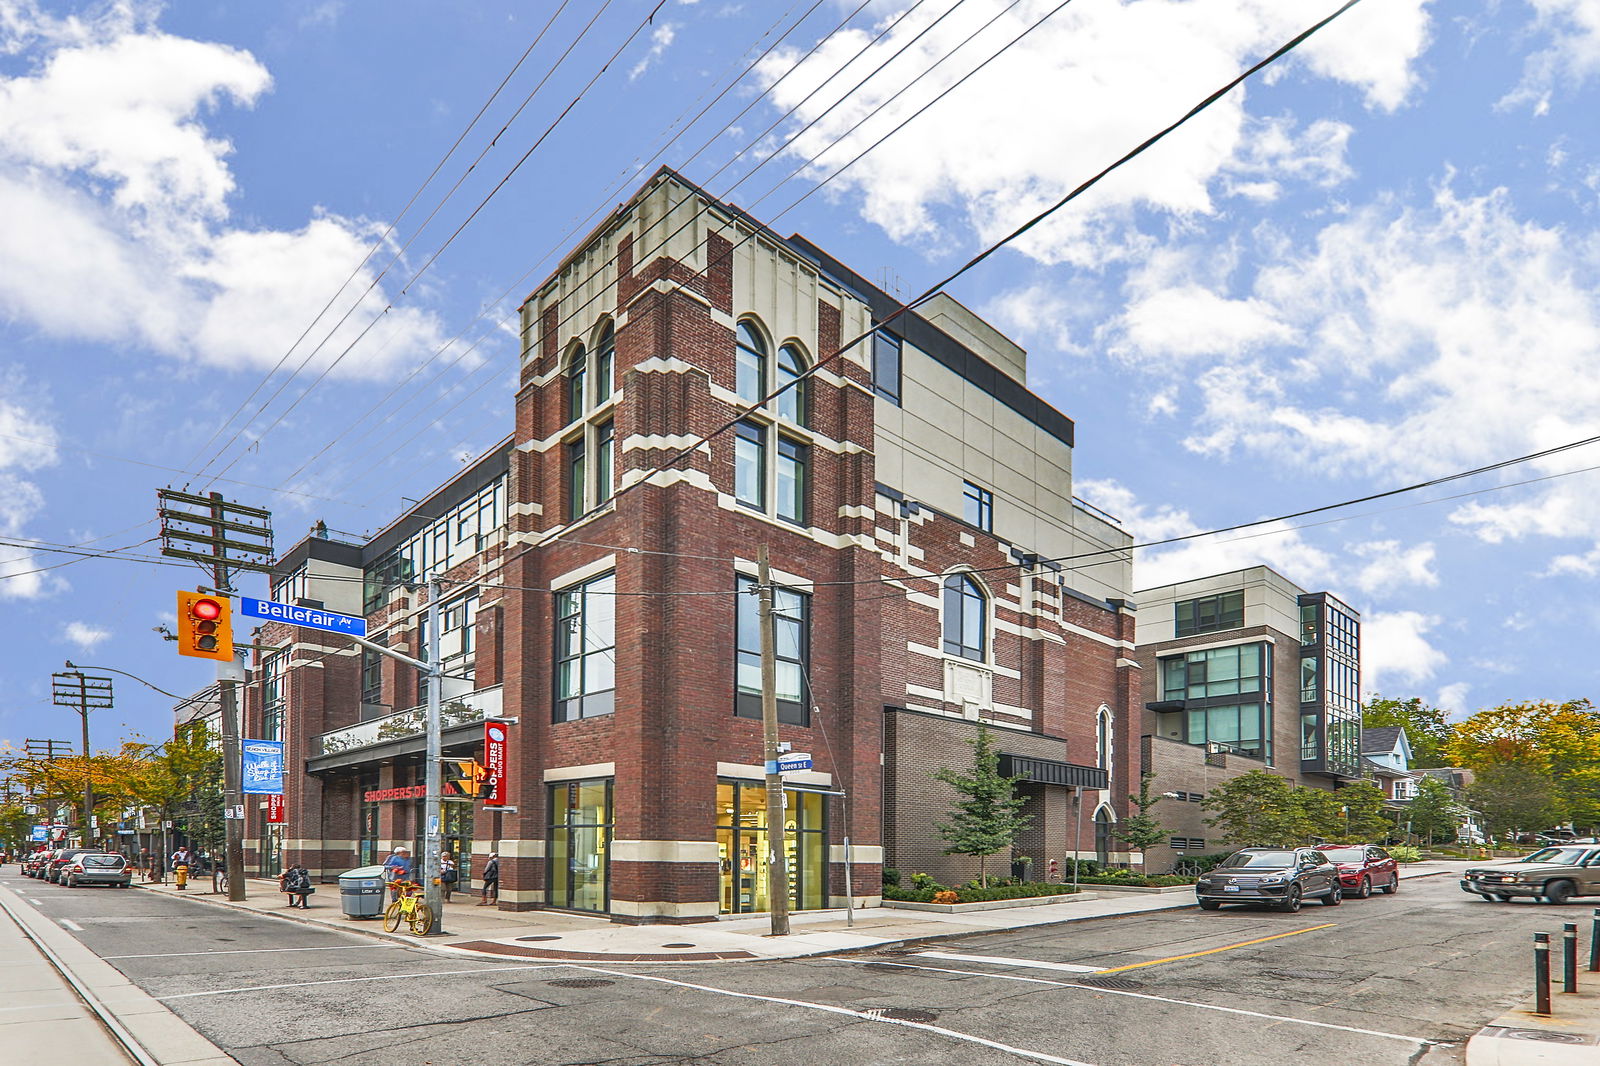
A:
(494, 788)
(409, 792)
(275, 807)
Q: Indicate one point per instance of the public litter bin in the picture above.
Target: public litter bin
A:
(361, 892)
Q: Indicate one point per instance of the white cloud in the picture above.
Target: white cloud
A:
(661, 39)
(1572, 56)
(1127, 67)
(1395, 651)
(1452, 699)
(111, 182)
(1389, 565)
(84, 635)
(27, 444)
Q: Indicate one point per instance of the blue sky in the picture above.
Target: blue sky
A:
(1373, 266)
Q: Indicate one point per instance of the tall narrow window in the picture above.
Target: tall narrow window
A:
(586, 639)
(751, 378)
(886, 365)
(750, 465)
(577, 375)
(966, 618)
(1102, 739)
(604, 453)
(372, 678)
(605, 362)
(791, 481)
(977, 505)
(791, 631)
(791, 403)
(577, 463)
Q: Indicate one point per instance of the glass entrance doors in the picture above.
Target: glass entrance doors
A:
(742, 848)
(580, 845)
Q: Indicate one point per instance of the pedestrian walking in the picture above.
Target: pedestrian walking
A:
(296, 882)
(397, 867)
(144, 863)
(491, 880)
(447, 875)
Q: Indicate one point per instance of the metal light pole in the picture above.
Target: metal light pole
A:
(777, 836)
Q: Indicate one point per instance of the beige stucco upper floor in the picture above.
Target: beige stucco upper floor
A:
(1270, 599)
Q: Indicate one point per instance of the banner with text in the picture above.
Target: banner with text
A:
(275, 808)
(262, 766)
(494, 764)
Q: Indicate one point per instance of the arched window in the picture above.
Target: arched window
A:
(1103, 821)
(966, 617)
(577, 375)
(751, 379)
(1102, 738)
(605, 359)
(791, 404)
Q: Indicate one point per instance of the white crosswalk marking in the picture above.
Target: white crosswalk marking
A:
(1000, 960)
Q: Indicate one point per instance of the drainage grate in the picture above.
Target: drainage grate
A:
(581, 982)
(901, 1014)
(679, 945)
(1308, 975)
(1120, 984)
(530, 938)
(887, 967)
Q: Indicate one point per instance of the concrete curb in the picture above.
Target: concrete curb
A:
(150, 1032)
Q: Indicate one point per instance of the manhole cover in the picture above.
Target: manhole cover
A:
(538, 938)
(1548, 1037)
(1121, 984)
(581, 982)
(901, 1014)
(680, 945)
(1307, 975)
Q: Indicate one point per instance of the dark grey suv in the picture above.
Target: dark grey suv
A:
(1283, 878)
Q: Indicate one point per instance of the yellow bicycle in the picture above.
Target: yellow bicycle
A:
(408, 907)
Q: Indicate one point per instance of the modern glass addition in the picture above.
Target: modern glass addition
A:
(586, 638)
(791, 403)
(1227, 696)
(1208, 614)
(791, 625)
(966, 617)
(886, 361)
(750, 380)
(742, 847)
(579, 863)
(977, 506)
(750, 465)
(1330, 688)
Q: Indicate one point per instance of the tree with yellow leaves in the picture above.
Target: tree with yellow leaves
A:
(1555, 742)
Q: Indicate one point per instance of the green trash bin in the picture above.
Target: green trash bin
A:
(361, 892)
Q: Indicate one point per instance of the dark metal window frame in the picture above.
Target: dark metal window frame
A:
(963, 593)
(572, 606)
(1208, 614)
(553, 826)
(888, 365)
(977, 506)
(747, 703)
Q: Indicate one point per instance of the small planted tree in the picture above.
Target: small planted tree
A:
(1141, 831)
(1433, 811)
(988, 815)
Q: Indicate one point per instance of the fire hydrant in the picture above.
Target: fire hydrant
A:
(1055, 870)
(180, 875)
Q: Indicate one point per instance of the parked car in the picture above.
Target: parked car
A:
(1364, 867)
(1553, 874)
(1278, 877)
(59, 858)
(33, 865)
(97, 868)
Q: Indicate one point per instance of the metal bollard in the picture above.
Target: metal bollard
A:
(1594, 942)
(1541, 973)
(1569, 956)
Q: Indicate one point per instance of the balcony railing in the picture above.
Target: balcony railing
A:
(458, 710)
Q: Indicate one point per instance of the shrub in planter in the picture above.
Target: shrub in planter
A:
(891, 876)
(946, 896)
(1406, 853)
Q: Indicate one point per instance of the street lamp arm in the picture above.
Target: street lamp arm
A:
(74, 666)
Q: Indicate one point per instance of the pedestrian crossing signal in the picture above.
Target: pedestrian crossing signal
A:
(205, 626)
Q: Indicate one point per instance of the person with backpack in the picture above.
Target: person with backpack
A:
(491, 880)
(296, 882)
(448, 875)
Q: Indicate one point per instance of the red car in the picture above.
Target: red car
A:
(1364, 867)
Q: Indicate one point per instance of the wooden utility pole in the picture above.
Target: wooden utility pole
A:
(777, 835)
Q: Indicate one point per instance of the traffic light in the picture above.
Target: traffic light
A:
(205, 626)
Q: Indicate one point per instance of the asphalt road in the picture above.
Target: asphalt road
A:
(1402, 980)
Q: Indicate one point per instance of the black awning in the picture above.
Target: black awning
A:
(1051, 771)
(1166, 705)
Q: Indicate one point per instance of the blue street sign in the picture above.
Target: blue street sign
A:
(310, 617)
(794, 760)
(40, 833)
(262, 765)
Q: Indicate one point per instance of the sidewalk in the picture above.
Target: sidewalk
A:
(485, 932)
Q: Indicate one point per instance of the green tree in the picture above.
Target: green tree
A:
(1141, 831)
(1561, 741)
(1513, 797)
(1256, 809)
(1426, 729)
(1433, 812)
(1361, 814)
(988, 816)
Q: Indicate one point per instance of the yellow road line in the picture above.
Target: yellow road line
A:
(1213, 951)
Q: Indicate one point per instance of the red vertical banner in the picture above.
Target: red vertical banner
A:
(275, 807)
(494, 763)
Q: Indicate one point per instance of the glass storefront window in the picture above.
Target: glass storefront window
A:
(580, 845)
(742, 847)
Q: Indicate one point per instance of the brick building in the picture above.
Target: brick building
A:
(1244, 671)
(910, 493)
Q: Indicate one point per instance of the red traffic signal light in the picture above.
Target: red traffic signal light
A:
(205, 626)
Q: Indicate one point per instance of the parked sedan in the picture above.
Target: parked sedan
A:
(97, 868)
(1364, 867)
(1554, 874)
(59, 860)
(1283, 878)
